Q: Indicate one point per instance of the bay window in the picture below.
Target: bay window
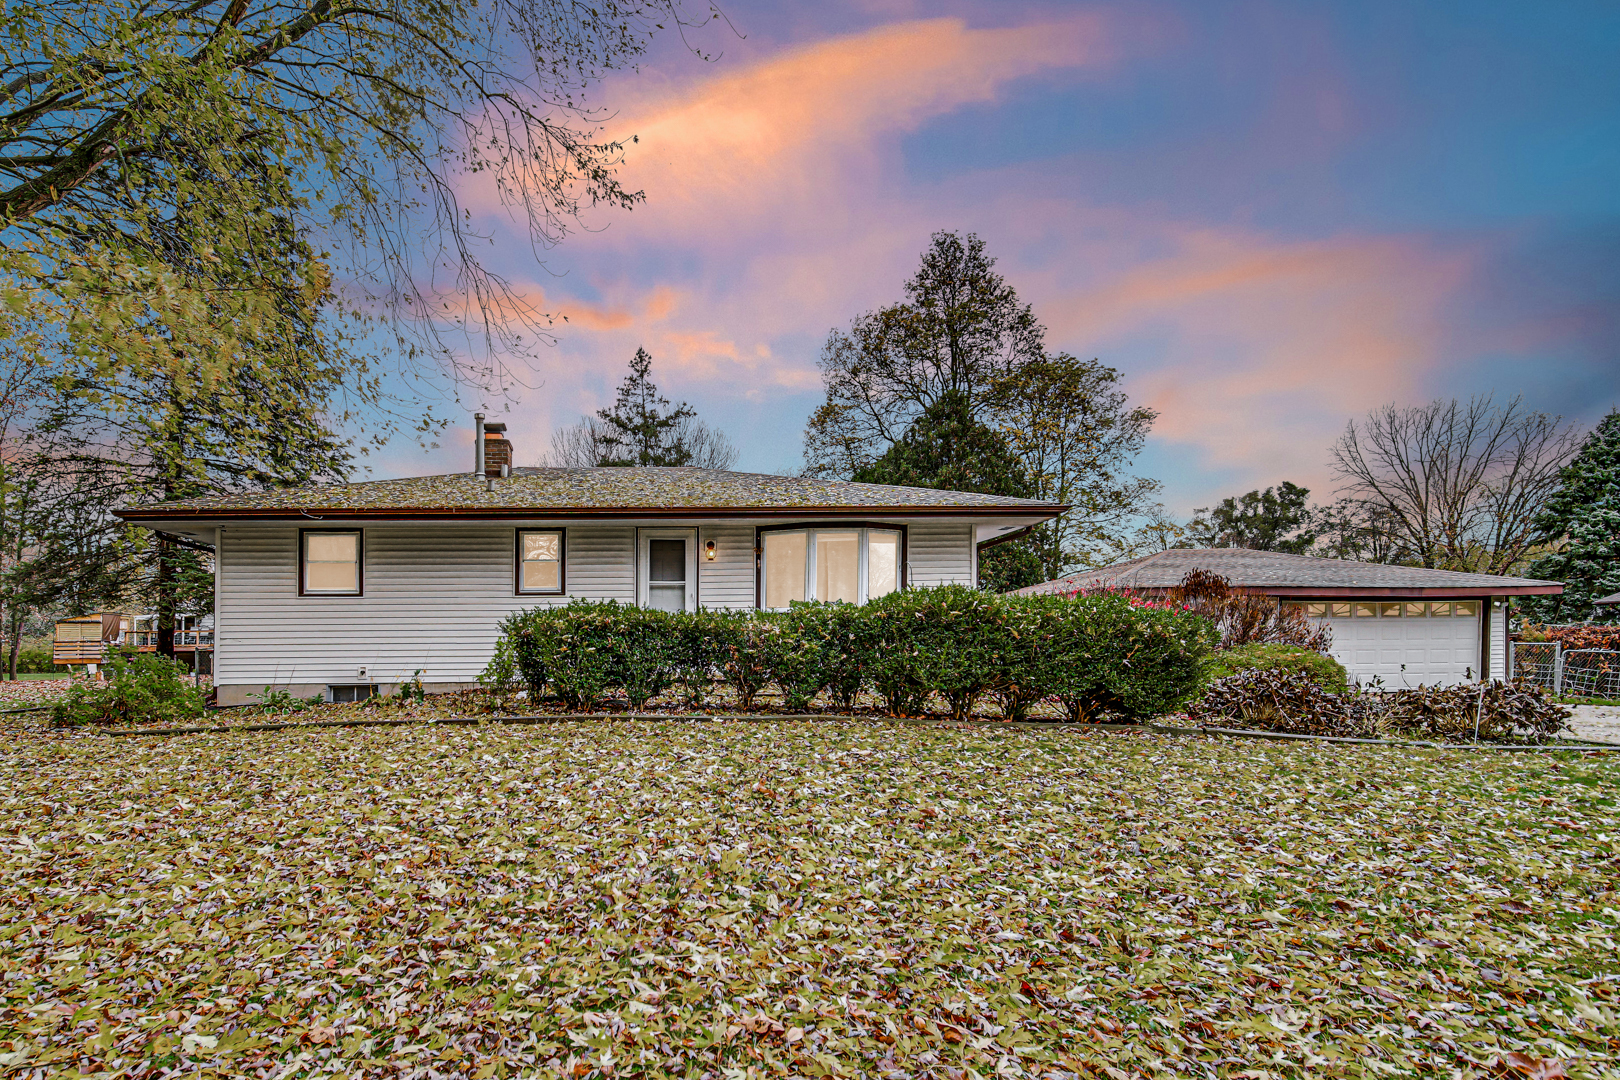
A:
(853, 565)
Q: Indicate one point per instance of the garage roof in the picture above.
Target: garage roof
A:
(1294, 575)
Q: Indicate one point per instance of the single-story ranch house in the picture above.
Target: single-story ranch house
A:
(349, 589)
(1403, 624)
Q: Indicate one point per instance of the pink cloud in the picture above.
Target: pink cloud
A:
(778, 191)
(789, 131)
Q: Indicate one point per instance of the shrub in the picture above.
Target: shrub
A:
(278, 699)
(846, 639)
(501, 675)
(644, 643)
(141, 688)
(951, 641)
(1101, 653)
(891, 659)
(1120, 654)
(572, 649)
(1499, 712)
(1287, 700)
(743, 662)
(1570, 637)
(1272, 656)
(790, 647)
(1031, 654)
(700, 641)
(1247, 618)
(35, 662)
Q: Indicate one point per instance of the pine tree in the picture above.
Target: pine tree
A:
(1583, 520)
(642, 430)
(638, 429)
(946, 448)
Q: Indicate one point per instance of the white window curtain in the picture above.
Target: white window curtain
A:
(853, 565)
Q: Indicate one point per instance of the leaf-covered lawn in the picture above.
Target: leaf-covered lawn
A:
(852, 898)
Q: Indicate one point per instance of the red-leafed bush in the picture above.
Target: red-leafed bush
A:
(1246, 618)
(1573, 637)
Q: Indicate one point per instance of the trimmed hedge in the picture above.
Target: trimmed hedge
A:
(1323, 670)
(1100, 654)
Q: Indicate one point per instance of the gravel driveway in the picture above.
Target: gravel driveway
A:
(1599, 722)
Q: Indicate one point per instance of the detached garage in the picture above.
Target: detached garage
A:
(1403, 624)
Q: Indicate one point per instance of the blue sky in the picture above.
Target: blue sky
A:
(1270, 217)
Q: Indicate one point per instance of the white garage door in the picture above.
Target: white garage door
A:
(1406, 643)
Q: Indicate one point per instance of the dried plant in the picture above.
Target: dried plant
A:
(1290, 701)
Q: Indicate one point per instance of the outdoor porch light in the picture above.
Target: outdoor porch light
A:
(708, 551)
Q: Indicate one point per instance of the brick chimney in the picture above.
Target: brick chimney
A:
(497, 451)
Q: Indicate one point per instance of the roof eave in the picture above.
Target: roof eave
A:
(1350, 591)
(1358, 592)
(136, 515)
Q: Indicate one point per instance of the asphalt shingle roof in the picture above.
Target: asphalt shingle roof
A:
(580, 491)
(1273, 569)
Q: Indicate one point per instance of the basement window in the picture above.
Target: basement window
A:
(340, 695)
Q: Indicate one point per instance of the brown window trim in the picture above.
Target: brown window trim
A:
(886, 526)
(517, 564)
(359, 563)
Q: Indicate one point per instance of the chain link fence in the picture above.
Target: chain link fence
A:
(1593, 673)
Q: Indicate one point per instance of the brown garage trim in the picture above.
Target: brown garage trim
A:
(1318, 592)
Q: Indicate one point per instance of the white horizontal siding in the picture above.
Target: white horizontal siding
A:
(436, 593)
(728, 582)
(1497, 645)
(939, 553)
(434, 596)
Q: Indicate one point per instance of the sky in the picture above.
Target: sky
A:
(1270, 217)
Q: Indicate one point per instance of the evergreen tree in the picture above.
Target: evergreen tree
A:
(638, 429)
(1582, 520)
(642, 430)
(948, 449)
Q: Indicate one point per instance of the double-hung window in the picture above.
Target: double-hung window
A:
(854, 565)
(330, 562)
(540, 561)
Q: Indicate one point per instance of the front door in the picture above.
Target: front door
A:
(668, 569)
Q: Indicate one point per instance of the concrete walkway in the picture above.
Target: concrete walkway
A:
(1600, 723)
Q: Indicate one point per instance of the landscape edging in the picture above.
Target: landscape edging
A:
(1249, 733)
(560, 718)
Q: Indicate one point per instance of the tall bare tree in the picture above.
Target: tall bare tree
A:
(1460, 484)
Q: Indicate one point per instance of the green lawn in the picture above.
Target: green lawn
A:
(30, 676)
(828, 898)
